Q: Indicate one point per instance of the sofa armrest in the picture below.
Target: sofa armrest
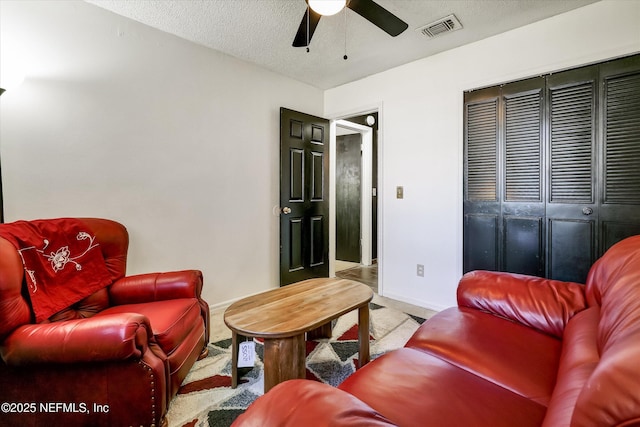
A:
(156, 287)
(95, 339)
(304, 403)
(543, 304)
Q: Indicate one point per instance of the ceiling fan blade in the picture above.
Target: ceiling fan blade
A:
(378, 16)
(301, 36)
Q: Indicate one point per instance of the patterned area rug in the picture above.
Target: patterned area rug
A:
(206, 398)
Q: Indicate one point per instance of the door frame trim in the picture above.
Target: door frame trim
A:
(365, 190)
(375, 107)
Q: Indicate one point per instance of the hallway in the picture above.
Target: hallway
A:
(360, 273)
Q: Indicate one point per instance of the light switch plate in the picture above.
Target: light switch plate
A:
(400, 192)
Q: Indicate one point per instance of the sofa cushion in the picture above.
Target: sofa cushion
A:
(611, 394)
(171, 320)
(84, 308)
(506, 353)
(410, 387)
(579, 359)
(297, 403)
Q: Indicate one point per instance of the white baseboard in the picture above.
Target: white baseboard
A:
(412, 301)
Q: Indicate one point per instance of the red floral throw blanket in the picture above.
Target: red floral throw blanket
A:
(62, 262)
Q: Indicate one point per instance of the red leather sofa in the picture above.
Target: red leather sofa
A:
(115, 358)
(516, 351)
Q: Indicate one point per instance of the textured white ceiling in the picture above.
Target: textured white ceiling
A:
(261, 31)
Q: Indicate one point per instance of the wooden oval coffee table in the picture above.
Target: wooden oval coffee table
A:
(283, 316)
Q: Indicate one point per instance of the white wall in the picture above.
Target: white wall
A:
(180, 143)
(176, 141)
(421, 133)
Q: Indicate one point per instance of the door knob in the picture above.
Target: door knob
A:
(286, 210)
(587, 211)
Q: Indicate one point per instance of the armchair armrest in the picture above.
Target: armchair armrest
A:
(542, 304)
(95, 339)
(150, 287)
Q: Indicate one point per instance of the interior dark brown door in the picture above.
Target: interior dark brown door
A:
(304, 197)
(348, 197)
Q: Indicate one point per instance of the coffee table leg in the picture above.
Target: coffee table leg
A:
(284, 359)
(363, 334)
(235, 346)
(324, 331)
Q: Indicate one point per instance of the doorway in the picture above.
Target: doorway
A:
(355, 233)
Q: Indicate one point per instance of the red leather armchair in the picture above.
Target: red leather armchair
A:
(117, 357)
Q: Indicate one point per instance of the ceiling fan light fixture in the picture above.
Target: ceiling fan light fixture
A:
(327, 7)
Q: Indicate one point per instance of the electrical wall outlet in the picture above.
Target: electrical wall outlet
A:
(420, 270)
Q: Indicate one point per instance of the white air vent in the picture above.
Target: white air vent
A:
(441, 26)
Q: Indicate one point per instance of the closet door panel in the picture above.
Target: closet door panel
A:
(614, 231)
(522, 189)
(571, 249)
(481, 242)
(523, 146)
(572, 212)
(523, 240)
(620, 91)
(481, 226)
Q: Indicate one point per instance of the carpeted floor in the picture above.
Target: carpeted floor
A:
(207, 399)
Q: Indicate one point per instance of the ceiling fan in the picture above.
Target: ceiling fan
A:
(368, 9)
